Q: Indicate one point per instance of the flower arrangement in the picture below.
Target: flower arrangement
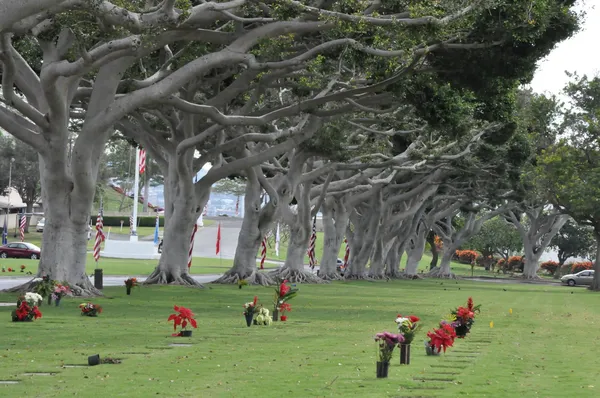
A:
(3, 269)
(464, 318)
(250, 307)
(90, 309)
(23, 268)
(60, 291)
(10, 269)
(26, 312)
(441, 338)
(182, 317)
(408, 327)
(131, 282)
(242, 282)
(283, 293)
(44, 286)
(263, 317)
(32, 299)
(386, 342)
(283, 308)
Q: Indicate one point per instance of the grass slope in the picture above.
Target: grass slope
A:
(326, 348)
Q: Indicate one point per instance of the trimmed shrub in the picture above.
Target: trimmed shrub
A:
(549, 267)
(466, 256)
(115, 221)
(515, 263)
(581, 266)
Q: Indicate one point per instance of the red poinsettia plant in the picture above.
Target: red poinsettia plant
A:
(283, 308)
(182, 317)
(443, 337)
(26, 312)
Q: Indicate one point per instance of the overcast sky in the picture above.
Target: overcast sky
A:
(578, 54)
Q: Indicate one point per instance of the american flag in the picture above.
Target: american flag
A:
(263, 252)
(22, 226)
(311, 245)
(142, 161)
(192, 246)
(99, 234)
(346, 255)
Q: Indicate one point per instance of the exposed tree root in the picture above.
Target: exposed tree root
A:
(409, 276)
(437, 272)
(84, 289)
(295, 276)
(530, 278)
(331, 276)
(255, 278)
(363, 277)
(159, 277)
(378, 277)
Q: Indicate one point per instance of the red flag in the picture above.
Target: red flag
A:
(218, 239)
(142, 161)
(191, 245)
(263, 253)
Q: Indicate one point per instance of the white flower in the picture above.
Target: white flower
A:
(401, 320)
(33, 298)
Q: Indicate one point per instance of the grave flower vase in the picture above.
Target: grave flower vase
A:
(249, 317)
(382, 369)
(404, 354)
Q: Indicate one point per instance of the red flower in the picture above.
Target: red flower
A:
(36, 313)
(414, 319)
(254, 301)
(184, 317)
(283, 318)
(464, 313)
(22, 266)
(470, 304)
(285, 307)
(283, 289)
(9, 269)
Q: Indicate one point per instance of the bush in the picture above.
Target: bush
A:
(115, 221)
(549, 266)
(580, 266)
(515, 263)
(466, 256)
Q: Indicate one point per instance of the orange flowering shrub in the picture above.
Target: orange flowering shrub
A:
(466, 256)
(549, 266)
(580, 266)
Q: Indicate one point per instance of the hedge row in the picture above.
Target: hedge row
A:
(115, 221)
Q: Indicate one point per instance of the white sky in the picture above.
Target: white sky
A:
(578, 54)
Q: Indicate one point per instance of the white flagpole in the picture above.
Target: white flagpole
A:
(136, 188)
(277, 241)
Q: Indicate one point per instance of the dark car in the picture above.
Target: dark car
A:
(20, 250)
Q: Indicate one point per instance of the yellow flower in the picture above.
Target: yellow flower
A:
(492, 324)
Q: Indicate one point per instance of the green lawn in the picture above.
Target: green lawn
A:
(326, 349)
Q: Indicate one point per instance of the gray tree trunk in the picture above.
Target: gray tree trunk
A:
(256, 222)
(146, 191)
(335, 221)
(415, 253)
(392, 266)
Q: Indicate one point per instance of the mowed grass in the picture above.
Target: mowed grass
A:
(326, 349)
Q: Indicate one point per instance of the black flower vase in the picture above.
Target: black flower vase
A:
(249, 317)
(275, 315)
(128, 291)
(461, 331)
(404, 354)
(186, 333)
(431, 350)
(94, 360)
(49, 299)
(382, 369)
(57, 302)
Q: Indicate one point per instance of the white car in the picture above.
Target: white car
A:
(40, 225)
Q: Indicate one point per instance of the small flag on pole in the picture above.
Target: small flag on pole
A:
(218, 239)
(311, 245)
(142, 161)
(99, 234)
(263, 252)
(192, 246)
(156, 230)
(277, 238)
(346, 255)
(22, 226)
(5, 231)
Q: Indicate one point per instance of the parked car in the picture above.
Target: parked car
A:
(340, 266)
(584, 277)
(40, 225)
(20, 250)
